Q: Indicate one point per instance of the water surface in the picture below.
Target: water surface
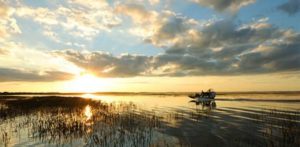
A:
(150, 120)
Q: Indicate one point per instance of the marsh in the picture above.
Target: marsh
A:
(149, 120)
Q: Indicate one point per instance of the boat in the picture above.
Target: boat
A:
(206, 98)
(209, 95)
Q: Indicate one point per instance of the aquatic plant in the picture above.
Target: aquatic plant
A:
(58, 120)
(280, 128)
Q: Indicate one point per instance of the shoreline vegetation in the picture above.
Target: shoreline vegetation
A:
(53, 120)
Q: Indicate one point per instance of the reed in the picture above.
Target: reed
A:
(280, 128)
(5, 137)
(59, 121)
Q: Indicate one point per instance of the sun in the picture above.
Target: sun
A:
(86, 83)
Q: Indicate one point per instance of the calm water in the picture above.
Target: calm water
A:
(150, 120)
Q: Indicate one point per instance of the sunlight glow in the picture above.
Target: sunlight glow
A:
(105, 98)
(87, 83)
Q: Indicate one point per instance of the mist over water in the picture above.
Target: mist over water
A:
(247, 119)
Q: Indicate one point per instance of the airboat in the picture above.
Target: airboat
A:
(205, 98)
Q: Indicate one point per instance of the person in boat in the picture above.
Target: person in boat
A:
(205, 94)
(208, 94)
(202, 93)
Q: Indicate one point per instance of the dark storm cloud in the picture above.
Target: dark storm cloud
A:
(291, 7)
(8, 74)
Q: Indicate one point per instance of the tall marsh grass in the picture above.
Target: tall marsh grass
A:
(57, 120)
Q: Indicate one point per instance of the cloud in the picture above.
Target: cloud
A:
(154, 2)
(191, 47)
(161, 29)
(106, 65)
(291, 7)
(279, 57)
(137, 12)
(223, 48)
(90, 3)
(3, 51)
(77, 18)
(170, 30)
(8, 75)
(3, 9)
(224, 5)
(8, 25)
(217, 48)
(17, 56)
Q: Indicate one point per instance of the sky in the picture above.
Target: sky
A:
(149, 45)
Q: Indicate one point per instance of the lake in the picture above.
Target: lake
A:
(236, 119)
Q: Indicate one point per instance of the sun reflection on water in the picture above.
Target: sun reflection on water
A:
(88, 112)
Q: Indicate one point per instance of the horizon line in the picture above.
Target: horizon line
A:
(144, 92)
